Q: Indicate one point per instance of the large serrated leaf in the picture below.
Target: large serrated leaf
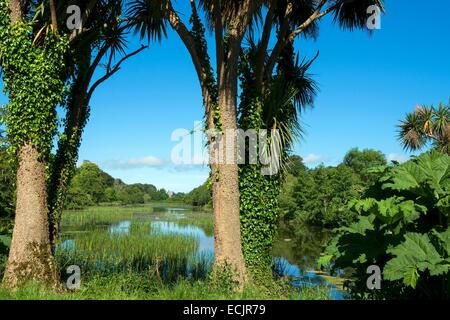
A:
(430, 169)
(415, 254)
(444, 238)
(396, 208)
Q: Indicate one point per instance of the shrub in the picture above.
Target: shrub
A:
(404, 229)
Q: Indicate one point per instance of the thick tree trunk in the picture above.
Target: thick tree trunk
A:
(226, 201)
(30, 255)
(16, 8)
(225, 180)
(226, 197)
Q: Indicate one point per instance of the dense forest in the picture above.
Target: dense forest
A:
(319, 196)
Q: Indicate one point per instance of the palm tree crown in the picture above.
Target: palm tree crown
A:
(424, 126)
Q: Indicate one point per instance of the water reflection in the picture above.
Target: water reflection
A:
(308, 278)
(295, 252)
(206, 243)
(122, 227)
(301, 245)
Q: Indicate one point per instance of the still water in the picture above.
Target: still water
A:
(295, 251)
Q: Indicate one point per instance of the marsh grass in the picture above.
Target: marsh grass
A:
(101, 215)
(139, 250)
(141, 262)
(202, 221)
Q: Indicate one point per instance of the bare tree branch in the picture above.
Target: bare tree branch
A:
(284, 40)
(75, 33)
(262, 50)
(189, 42)
(113, 70)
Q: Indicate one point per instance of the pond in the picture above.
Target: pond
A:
(295, 251)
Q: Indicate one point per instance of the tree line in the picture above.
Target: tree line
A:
(92, 186)
(319, 196)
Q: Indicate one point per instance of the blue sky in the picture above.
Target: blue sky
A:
(367, 84)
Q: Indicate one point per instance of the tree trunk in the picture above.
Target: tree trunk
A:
(16, 8)
(226, 197)
(64, 163)
(30, 255)
(63, 170)
(226, 202)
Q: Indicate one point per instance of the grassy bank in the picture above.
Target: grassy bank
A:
(135, 287)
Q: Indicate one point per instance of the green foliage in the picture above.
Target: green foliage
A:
(295, 165)
(33, 79)
(159, 195)
(321, 195)
(258, 203)
(77, 199)
(110, 194)
(132, 286)
(199, 196)
(404, 229)
(6, 228)
(286, 199)
(259, 216)
(7, 183)
(130, 195)
(417, 254)
(289, 92)
(89, 182)
(91, 185)
(362, 161)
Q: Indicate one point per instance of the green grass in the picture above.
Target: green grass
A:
(101, 215)
(137, 287)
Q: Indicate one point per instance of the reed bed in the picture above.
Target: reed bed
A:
(134, 249)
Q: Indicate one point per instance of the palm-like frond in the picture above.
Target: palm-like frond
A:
(150, 18)
(228, 10)
(291, 91)
(441, 120)
(115, 37)
(301, 11)
(410, 132)
(426, 124)
(351, 14)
